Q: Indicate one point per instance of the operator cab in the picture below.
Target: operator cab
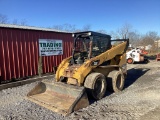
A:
(89, 44)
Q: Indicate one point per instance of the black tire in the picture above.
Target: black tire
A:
(95, 84)
(146, 60)
(130, 61)
(115, 81)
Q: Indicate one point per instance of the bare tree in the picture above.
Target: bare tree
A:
(149, 38)
(86, 27)
(134, 38)
(15, 22)
(114, 35)
(71, 28)
(124, 30)
(3, 19)
(65, 27)
(23, 22)
(57, 27)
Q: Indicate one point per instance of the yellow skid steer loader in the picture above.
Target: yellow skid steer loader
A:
(95, 66)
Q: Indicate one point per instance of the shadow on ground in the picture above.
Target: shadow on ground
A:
(133, 75)
(151, 57)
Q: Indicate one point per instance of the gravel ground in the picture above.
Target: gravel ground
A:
(138, 101)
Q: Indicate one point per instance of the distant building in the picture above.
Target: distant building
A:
(157, 44)
(141, 47)
(148, 47)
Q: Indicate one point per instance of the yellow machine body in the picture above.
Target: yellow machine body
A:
(67, 93)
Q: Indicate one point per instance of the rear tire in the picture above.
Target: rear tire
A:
(95, 84)
(115, 81)
(130, 61)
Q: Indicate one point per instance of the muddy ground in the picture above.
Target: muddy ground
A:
(140, 100)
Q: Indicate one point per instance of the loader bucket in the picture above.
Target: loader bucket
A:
(59, 97)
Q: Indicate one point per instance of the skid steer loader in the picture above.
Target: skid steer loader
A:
(94, 67)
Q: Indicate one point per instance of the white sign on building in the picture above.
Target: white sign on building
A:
(49, 47)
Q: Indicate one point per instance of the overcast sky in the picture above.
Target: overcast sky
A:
(143, 15)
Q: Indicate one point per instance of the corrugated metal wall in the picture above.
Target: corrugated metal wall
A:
(19, 52)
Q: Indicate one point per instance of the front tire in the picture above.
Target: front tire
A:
(95, 84)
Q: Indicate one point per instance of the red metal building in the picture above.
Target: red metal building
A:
(19, 50)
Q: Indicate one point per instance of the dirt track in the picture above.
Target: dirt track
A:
(139, 100)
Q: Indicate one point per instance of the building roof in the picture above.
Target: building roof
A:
(31, 28)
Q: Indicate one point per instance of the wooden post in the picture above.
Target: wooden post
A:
(40, 70)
